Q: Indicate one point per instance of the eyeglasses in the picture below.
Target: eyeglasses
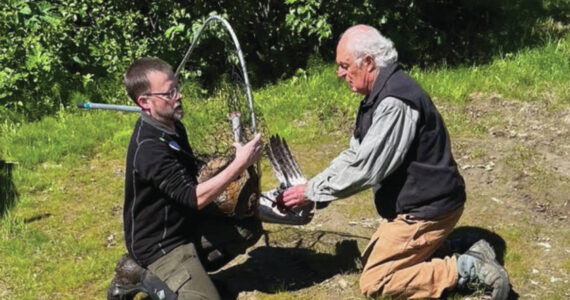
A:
(170, 95)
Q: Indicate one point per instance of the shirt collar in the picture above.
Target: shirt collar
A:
(156, 124)
(379, 83)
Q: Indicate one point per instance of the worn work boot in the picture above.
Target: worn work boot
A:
(127, 281)
(131, 279)
(478, 266)
(483, 247)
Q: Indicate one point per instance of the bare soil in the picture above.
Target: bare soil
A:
(514, 156)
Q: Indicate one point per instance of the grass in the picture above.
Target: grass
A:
(299, 108)
(307, 105)
(539, 74)
(64, 139)
(64, 235)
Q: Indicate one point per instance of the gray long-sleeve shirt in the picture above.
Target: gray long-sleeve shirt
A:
(364, 165)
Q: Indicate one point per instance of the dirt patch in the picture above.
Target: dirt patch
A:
(517, 174)
(524, 155)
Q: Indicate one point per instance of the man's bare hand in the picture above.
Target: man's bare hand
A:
(249, 153)
(295, 196)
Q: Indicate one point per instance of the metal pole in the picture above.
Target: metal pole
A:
(127, 108)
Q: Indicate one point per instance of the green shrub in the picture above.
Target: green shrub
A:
(51, 51)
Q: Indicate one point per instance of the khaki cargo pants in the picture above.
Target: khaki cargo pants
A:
(185, 269)
(398, 260)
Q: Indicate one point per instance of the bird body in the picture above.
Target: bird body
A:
(243, 197)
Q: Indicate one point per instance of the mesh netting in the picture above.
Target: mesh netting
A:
(223, 90)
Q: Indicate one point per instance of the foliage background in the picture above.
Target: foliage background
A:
(54, 53)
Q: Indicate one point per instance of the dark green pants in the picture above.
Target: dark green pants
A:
(220, 240)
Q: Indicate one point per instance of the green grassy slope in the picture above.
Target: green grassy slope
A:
(64, 235)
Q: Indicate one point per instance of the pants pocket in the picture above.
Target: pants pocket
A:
(173, 268)
(177, 279)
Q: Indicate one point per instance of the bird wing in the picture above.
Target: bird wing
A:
(284, 166)
(287, 171)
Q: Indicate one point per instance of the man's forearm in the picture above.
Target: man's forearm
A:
(209, 190)
(245, 156)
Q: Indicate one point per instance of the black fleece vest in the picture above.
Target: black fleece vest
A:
(427, 184)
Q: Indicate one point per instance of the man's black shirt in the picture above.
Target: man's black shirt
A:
(160, 190)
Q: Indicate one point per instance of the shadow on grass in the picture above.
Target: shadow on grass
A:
(469, 235)
(8, 192)
(275, 269)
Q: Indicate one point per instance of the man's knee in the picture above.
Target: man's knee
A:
(369, 290)
(217, 248)
(246, 233)
(371, 283)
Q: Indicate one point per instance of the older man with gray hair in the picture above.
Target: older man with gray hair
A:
(401, 149)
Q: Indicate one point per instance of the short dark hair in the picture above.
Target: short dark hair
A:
(135, 80)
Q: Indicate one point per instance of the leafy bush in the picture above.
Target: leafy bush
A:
(55, 52)
(51, 49)
(435, 31)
